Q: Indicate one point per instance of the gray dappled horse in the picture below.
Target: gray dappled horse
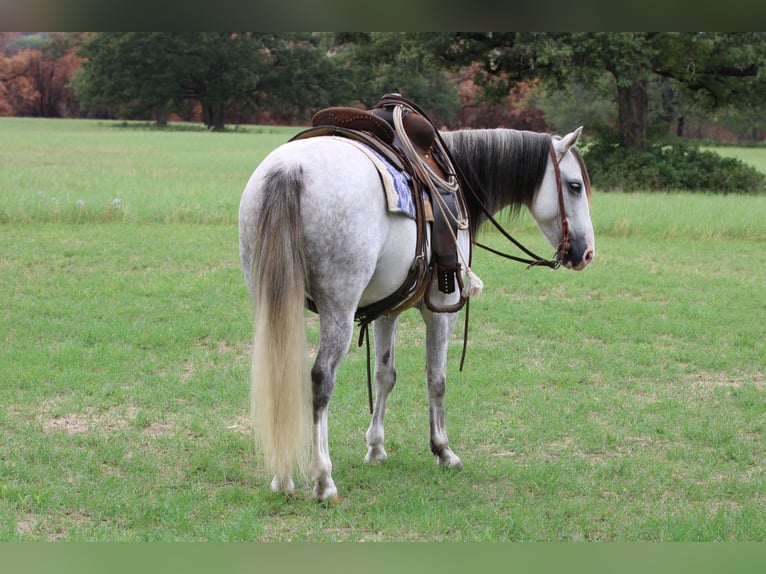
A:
(314, 224)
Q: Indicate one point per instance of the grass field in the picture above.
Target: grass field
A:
(750, 155)
(626, 402)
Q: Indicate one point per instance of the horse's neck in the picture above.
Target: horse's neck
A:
(503, 167)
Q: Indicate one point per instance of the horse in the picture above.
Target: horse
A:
(314, 226)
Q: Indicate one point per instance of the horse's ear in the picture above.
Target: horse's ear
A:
(562, 146)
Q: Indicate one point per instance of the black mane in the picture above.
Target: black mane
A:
(503, 167)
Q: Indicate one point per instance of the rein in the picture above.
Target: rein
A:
(536, 260)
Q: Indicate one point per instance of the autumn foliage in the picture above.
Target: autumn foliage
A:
(515, 112)
(34, 78)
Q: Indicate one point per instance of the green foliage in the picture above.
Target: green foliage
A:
(591, 106)
(29, 41)
(707, 70)
(302, 76)
(384, 62)
(151, 73)
(136, 72)
(678, 166)
(144, 73)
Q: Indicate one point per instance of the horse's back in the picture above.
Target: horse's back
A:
(354, 248)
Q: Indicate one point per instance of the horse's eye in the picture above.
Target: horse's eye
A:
(575, 187)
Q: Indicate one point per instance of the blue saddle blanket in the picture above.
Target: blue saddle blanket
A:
(402, 201)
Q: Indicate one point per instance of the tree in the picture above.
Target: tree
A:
(715, 69)
(377, 63)
(156, 72)
(220, 68)
(35, 79)
(50, 70)
(139, 73)
(300, 75)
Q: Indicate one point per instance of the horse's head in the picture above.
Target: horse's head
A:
(561, 205)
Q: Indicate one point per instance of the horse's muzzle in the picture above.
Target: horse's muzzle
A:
(579, 254)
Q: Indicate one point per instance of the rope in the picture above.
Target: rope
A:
(433, 179)
(473, 285)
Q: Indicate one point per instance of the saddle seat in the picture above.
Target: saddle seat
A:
(380, 122)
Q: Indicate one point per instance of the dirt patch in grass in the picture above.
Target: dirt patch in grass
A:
(112, 419)
(116, 419)
(705, 381)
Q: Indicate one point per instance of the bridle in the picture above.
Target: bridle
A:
(534, 260)
(563, 247)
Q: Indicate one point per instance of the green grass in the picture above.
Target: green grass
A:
(624, 403)
(754, 156)
(73, 171)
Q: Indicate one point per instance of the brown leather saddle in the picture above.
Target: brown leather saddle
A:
(401, 133)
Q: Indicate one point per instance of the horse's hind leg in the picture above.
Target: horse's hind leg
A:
(439, 328)
(385, 379)
(334, 340)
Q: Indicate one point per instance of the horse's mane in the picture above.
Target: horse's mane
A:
(503, 167)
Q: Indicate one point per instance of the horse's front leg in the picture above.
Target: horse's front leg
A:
(439, 327)
(384, 329)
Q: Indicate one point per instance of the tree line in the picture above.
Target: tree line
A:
(632, 86)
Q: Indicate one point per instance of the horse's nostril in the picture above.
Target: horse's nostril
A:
(588, 256)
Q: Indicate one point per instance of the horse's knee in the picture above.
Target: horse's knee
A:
(437, 386)
(385, 379)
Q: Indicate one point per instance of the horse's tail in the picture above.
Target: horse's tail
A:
(279, 381)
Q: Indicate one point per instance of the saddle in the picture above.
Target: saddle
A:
(400, 132)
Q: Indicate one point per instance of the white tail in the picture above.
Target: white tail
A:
(280, 397)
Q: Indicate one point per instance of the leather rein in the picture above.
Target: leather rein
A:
(535, 260)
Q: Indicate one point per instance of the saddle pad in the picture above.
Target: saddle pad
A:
(395, 183)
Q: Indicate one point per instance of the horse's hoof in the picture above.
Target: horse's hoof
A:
(450, 463)
(375, 456)
(326, 493)
(329, 500)
(283, 485)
